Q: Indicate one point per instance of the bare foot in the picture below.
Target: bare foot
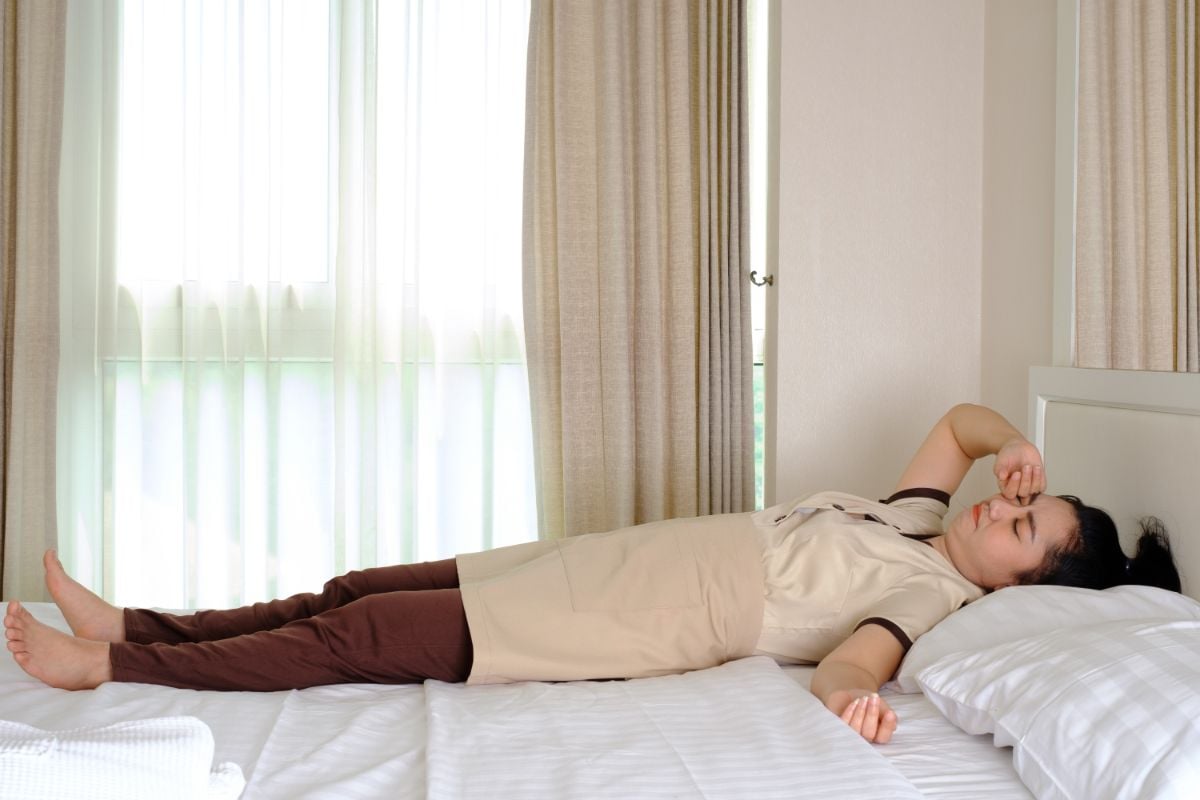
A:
(53, 657)
(89, 616)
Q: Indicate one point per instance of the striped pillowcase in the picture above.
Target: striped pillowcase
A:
(1105, 710)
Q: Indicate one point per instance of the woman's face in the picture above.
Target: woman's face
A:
(992, 542)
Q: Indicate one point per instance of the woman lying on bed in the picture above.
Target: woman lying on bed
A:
(833, 579)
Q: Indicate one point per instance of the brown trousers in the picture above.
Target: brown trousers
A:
(398, 624)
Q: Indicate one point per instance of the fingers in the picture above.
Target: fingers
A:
(870, 717)
(1033, 483)
(1025, 487)
(887, 727)
(1023, 484)
(855, 713)
(1019, 472)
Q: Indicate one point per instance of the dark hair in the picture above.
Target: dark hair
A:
(1093, 557)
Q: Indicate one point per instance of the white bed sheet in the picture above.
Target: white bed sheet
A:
(942, 761)
(240, 721)
(735, 731)
(361, 741)
(353, 741)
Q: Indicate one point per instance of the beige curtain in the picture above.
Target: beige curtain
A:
(635, 260)
(31, 66)
(1137, 280)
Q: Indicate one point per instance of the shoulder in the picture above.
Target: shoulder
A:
(916, 602)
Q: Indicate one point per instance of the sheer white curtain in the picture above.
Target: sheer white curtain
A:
(291, 292)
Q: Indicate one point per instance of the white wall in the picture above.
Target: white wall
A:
(1018, 200)
(915, 228)
(879, 274)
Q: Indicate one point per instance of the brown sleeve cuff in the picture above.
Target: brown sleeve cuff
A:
(931, 494)
(891, 627)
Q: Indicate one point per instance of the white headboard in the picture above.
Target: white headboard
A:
(1127, 442)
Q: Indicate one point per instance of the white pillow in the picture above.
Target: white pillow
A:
(1110, 710)
(1020, 611)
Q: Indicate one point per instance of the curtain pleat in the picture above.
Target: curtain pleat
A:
(637, 322)
(32, 47)
(1137, 200)
(1187, 240)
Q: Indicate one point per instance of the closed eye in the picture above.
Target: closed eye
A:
(1032, 529)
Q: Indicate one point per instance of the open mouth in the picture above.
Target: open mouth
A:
(975, 512)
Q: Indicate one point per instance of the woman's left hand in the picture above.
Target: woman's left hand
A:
(1019, 471)
(866, 713)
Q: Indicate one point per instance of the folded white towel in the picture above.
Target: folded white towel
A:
(167, 757)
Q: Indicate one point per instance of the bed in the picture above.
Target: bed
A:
(1029, 692)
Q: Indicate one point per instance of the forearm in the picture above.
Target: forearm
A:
(979, 431)
(848, 679)
(833, 677)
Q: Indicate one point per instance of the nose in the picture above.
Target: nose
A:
(999, 507)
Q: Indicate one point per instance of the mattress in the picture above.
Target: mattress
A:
(743, 729)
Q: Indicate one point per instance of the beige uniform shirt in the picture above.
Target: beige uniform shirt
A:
(833, 562)
(792, 581)
(652, 599)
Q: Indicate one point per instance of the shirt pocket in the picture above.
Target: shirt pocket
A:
(631, 571)
(815, 600)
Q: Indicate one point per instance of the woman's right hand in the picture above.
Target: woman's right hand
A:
(1019, 471)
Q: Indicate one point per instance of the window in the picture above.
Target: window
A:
(292, 293)
(758, 35)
